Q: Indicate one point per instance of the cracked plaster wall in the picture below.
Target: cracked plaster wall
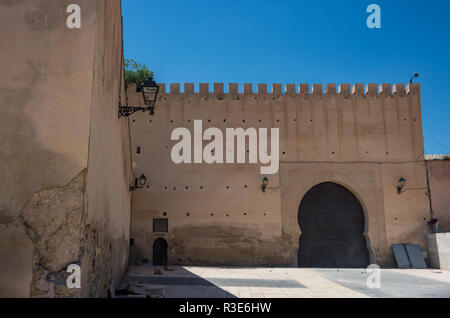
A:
(65, 156)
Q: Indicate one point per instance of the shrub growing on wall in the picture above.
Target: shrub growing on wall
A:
(136, 72)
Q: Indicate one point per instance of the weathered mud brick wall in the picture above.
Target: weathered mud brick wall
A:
(439, 181)
(364, 138)
(65, 157)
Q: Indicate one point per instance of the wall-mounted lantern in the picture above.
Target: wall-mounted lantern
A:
(415, 75)
(139, 183)
(150, 91)
(401, 185)
(264, 184)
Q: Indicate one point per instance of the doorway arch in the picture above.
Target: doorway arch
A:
(160, 252)
(331, 220)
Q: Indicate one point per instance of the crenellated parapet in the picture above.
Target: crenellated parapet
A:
(305, 90)
(337, 123)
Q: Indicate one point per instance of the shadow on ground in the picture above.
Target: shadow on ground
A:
(177, 283)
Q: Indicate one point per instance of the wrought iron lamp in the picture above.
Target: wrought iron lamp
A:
(139, 183)
(264, 184)
(415, 75)
(401, 185)
(150, 91)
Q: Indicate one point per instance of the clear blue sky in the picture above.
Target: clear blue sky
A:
(281, 41)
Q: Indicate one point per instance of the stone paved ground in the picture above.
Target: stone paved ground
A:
(258, 282)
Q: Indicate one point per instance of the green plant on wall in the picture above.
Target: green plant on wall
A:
(136, 72)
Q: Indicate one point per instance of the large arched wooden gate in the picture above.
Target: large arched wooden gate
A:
(331, 220)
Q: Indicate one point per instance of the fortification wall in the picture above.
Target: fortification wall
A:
(65, 159)
(45, 132)
(109, 166)
(364, 139)
(439, 180)
(109, 163)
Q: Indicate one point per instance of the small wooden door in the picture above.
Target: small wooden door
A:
(160, 252)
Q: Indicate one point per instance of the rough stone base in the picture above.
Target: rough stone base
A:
(216, 245)
(55, 221)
